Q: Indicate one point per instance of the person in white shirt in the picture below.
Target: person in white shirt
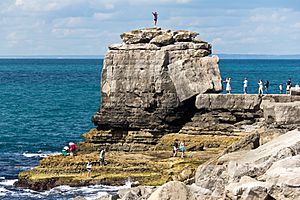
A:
(260, 87)
(228, 86)
(245, 85)
(89, 168)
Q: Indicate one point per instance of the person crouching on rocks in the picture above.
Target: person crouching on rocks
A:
(89, 168)
(102, 157)
(182, 149)
(175, 147)
(65, 151)
(72, 148)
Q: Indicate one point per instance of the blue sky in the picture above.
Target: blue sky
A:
(87, 27)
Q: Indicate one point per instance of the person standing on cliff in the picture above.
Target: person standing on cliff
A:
(288, 86)
(155, 15)
(228, 86)
(281, 88)
(102, 156)
(182, 149)
(260, 87)
(267, 86)
(245, 85)
(175, 147)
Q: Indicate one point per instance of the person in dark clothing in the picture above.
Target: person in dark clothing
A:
(267, 86)
(155, 15)
(288, 86)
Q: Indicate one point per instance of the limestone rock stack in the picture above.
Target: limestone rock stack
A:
(150, 81)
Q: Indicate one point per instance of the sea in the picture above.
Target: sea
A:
(47, 103)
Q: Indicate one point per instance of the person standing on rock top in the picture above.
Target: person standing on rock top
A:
(228, 85)
(260, 87)
(245, 85)
(155, 15)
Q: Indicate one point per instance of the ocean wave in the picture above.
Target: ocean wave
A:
(3, 191)
(62, 192)
(41, 155)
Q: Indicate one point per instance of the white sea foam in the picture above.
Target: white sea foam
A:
(3, 191)
(41, 155)
(8, 182)
(2, 178)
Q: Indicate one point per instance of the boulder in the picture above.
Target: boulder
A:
(275, 163)
(247, 188)
(184, 74)
(184, 36)
(162, 40)
(173, 190)
(141, 35)
(136, 193)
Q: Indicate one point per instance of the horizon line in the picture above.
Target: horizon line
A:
(222, 55)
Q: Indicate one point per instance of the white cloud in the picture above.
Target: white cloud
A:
(64, 26)
(40, 6)
(296, 25)
(103, 16)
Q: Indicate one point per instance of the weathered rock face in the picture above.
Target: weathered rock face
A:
(272, 168)
(151, 80)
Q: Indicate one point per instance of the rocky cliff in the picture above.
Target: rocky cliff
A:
(150, 80)
(159, 86)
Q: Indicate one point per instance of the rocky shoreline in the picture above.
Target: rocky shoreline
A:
(159, 86)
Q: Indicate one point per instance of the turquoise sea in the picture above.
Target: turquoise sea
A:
(47, 103)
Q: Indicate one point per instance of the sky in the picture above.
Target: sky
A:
(87, 27)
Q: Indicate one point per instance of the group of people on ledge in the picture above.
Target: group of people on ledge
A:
(101, 162)
(181, 148)
(69, 150)
(263, 87)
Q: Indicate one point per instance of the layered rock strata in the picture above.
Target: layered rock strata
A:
(151, 79)
(270, 171)
(217, 120)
